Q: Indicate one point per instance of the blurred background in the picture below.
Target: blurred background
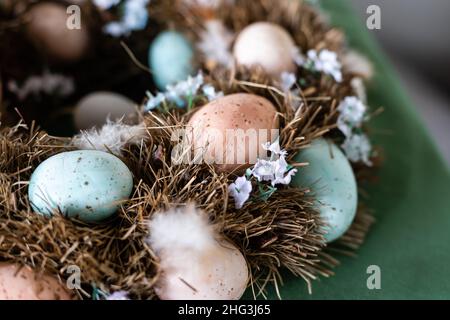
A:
(415, 35)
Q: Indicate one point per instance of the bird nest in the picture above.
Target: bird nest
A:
(283, 232)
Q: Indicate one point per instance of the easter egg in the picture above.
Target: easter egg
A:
(94, 109)
(218, 272)
(170, 58)
(196, 261)
(330, 177)
(266, 45)
(88, 185)
(230, 130)
(48, 30)
(23, 283)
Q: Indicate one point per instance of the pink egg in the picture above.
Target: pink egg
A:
(230, 130)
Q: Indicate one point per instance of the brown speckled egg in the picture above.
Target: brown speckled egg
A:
(266, 45)
(230, 131)
(22, 283)
(47, 29)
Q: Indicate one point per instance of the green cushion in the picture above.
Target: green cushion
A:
(410, 241)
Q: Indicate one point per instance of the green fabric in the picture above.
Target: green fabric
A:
(410, 241)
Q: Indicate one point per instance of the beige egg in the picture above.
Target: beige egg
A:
(22, 283)
(94, 109)
(229, 131)
(266, 45)
(218, 272)
(48, 30)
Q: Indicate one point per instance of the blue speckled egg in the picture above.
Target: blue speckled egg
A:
(87, 185)
(170, 58)
(330, 177)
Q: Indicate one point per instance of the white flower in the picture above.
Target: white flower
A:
(154, 101)
(240, 190)
(106, 4)
(210, 92)
(276, 171)
(274, 148)
(281, 168)
(135, 14)
(352, 114)
(181, 91)
(325, 61)
(116, 29)
(118, 295)
(288, 80)
(135, 17)
(358, 148)
(264, 170)
(215, 43)
(48, 83)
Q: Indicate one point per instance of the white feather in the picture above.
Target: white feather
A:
(180, 230)
(112, 137)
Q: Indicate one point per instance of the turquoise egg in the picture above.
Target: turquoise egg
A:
(170, 58)
(87, 185)
(330, 177)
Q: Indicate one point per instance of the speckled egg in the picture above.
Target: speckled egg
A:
(47, 28)
(87, 185)
(252, 115)
(266, 45)
(330, 177)
(170, 58)
(94, 109)
(23, 283)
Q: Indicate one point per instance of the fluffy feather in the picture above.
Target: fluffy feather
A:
(112, 137)
(216, 42)
(180, 230)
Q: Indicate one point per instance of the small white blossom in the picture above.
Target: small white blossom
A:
(281, 168)
(155, 101)
(358, 148)
(352, 114)
(47, 83)
(118, 295)
(240, 190)
(264, 170)
(134, 17)
(181, 91)
(106, 4)
(325, 61)
(215, 43)
(298, 57)
(276, 171)
(210, 92)
(275, 148)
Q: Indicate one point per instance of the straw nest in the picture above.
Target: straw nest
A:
(281, 233)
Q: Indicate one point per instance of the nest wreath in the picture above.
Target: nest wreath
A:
(138, 214)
